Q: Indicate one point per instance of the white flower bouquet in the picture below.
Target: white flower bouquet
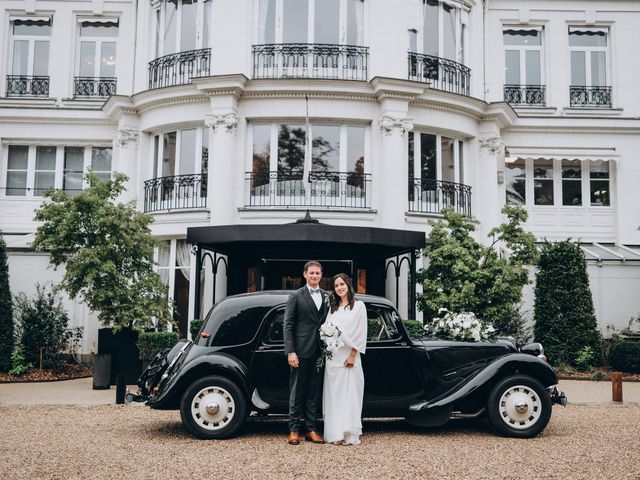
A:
(461, 326)
(330, 336)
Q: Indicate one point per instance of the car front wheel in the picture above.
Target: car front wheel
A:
(213, 407)
(519, 406)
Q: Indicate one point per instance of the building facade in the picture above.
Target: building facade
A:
(233, 119)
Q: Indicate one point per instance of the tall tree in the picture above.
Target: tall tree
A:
(6, 311)
(465, 276)
(107, 250)
(564, 313)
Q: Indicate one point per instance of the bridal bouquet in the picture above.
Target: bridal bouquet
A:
(462, 326)
(330, 336)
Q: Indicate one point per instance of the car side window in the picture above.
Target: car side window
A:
(274, 328)
(380, 325)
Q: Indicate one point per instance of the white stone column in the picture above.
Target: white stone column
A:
(222, 169)
(124, 158)
(489, 189)
(393, 172)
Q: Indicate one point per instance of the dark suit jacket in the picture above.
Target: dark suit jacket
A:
(302, 322)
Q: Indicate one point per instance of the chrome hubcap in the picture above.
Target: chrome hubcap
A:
(520, 407)
(213, 408)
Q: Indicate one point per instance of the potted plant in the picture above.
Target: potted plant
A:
(107, 250)
(151, 343)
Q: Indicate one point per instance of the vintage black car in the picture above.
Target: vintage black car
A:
(237, 366)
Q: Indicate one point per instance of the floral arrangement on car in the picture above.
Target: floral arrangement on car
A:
(330, 336)
(460, 326)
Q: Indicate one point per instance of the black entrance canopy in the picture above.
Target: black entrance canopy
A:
(247, 246)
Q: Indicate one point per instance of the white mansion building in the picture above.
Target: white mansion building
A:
(233, 118)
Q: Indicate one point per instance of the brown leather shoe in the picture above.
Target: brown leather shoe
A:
(314, 437)
(294, 438)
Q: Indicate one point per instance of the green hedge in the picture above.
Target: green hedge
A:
(625, 357)
(415, 329)
(152, 343)
(194, 328)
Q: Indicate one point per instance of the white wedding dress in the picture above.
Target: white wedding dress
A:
(343, 389)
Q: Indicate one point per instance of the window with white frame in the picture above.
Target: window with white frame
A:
(436, 174)
(97, 47)
(30, 39)
(31, 170)
(441, 31)
(588, 51)
(181, 152)
(337, 22)
(182, 25)
(557, 183)
(524, 82)
(589, 68)
(318, 164)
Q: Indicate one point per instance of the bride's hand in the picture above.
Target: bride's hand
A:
(351, 359)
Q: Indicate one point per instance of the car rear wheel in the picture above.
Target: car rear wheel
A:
(519, 406)
(213, 407)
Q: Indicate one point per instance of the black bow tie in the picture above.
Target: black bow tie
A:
(314, 290)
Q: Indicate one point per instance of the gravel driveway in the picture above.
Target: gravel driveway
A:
(102, 442)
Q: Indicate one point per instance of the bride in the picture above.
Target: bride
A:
(343, 376)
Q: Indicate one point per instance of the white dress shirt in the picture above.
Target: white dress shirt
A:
(316, 296)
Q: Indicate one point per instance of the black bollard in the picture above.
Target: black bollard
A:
(121, 389)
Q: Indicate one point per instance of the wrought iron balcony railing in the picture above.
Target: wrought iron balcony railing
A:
(179, 68)
(94, 86)
(431, 196)
(27, 86)
(175, 193)
(308, 60)
(320, 189)
(525, 94)
(599, 97)
(441, 73)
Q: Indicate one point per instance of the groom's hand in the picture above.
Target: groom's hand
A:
(292, 358)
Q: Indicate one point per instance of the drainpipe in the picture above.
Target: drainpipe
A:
(484, 53)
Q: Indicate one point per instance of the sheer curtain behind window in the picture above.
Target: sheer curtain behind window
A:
(183, 260)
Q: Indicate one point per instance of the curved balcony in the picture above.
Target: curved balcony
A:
(179, 68)
(431, 196)
(441, 73)
(320, 189)
(175, 193)
(310, 60)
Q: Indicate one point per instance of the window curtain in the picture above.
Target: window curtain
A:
(359, 8)
(262, 20)
(183, 260)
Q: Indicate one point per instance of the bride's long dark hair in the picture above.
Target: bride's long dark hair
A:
(334, 298)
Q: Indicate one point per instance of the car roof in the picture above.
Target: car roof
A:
(275, 297)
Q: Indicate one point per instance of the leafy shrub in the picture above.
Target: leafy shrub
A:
(152, 343)
(414, 328)
(41, 323)
(196, 325)
(565, 318)
(19, 365)
(584, 359)
(598, 376)
(6, 308)
(625, 357)
(465, 276)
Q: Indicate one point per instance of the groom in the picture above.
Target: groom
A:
(303, 315)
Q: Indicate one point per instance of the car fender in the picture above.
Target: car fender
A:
(211, 363)
(483, 381)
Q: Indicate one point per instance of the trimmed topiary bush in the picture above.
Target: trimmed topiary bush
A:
(625, 357)
(152, 343)
(565, 322)
(6, 312)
